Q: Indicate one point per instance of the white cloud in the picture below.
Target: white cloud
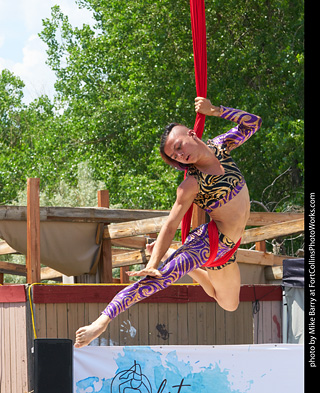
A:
(35, 10)
(5, 63)
(22, 51)
(37, 76)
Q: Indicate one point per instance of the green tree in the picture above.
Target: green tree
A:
(10, 133)
(34, 141)
(125, 78)
(122, 80)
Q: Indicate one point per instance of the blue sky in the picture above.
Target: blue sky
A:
(21, 49)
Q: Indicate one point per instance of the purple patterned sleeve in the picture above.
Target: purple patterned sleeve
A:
(248, 124)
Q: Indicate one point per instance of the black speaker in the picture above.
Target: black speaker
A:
(53, 365)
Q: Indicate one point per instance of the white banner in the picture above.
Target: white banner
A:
(184, 369)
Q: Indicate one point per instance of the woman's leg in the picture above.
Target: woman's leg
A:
(225, 278)
(190, 256)
(201, 277)
(86, 334)
(226, 283)
(223, 284)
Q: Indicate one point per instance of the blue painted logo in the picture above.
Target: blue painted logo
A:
(148, 371)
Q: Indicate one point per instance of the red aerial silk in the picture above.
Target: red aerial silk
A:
(198, 27)
(214, 244)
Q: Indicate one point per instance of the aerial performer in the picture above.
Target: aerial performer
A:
(214, 182)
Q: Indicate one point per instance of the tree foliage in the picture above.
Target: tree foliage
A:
(122, 80)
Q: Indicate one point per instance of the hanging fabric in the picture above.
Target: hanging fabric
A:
(198, 27)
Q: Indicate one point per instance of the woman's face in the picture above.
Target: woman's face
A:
(182, 145)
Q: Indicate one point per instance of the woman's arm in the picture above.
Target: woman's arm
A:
(186, 194)
(248, 123)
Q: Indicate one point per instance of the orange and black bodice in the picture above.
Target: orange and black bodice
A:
(216, 190)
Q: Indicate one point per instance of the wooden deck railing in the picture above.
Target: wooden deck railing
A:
(124, 234)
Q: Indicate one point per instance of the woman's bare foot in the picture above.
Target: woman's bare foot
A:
(86, 334)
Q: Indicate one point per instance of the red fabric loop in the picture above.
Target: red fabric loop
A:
(214, 244)
(198, 27)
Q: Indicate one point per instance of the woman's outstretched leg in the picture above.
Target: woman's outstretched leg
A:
(86, 334)
(183, 261)
(189, 257)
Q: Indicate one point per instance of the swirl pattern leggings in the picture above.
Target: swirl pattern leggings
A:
(191, 255)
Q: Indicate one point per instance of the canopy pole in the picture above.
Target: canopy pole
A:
(33, 231)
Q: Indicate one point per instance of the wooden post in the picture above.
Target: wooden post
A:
(198, 216)
(33, 231)
(261, 246)
(105, 263)
(124, 278)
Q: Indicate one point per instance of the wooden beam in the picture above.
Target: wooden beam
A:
(272, 231)
(273, 273)
(129, 258)
(13, 268)
(33, 231)
(134, 228)
(255, 257)
(117, 251)
(153, 225)
(105, 263)
(138, 242)
(56, 294)
(20, 270)
(96, 214)
(124, 278)
(80, 214)
(261, 246)
(267, 218)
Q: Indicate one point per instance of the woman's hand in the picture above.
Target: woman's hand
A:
(204, 106)
(147, 271)
(186, 193)
(149, 247)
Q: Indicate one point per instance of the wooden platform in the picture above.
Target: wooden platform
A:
(178, 315)
(181, 314)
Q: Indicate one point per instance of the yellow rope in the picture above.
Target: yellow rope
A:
(31, 309)
(61, 284)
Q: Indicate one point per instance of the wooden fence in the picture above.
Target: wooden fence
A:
(14, 346)
(180, 315)
(124, 235)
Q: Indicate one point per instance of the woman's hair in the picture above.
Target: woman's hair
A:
(165, 157)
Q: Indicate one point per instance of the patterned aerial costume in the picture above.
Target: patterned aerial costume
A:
(204, 246)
